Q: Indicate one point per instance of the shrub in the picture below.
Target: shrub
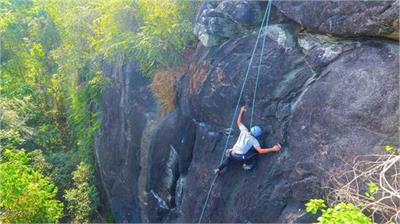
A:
(164, 87)
(339, 213)
(367, 188)
(14, 133)
(82, 198)
(371, 182)
(26, 195)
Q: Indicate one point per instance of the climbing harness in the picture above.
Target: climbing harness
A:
(265, 22)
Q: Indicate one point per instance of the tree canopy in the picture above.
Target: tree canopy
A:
(51, 58)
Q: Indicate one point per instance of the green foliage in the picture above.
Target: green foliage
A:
(372, 189)
(339, 213)
(82, 198)
(343, 213)
(84, 121)
(164, 33)
(314, 205)
(153, 32)
(63, 164)
(25, 194)
(39, 163)
(390, 149)
(51, 59)
(109, 217)
(14, 133)
(37, 84)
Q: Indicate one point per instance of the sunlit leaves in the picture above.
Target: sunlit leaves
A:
(25, 194)
(51, 56)
(14, 113)
(165, 32)
(82, 197)
(314, 205)
(152, 32)
(339, 213)
(390, 149)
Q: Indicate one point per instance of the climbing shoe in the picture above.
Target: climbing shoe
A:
(217, 171)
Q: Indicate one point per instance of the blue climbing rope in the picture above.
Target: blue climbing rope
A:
(267, 13)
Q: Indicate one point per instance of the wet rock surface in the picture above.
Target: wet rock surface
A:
(325, 98)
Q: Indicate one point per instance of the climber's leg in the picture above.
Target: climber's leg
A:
(250, 159)
(225, 162)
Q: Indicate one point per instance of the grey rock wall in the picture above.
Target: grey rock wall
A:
(345, 18)
(125, 105)
(338, 101)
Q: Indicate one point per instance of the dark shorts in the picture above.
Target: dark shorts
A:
(247, 158)
(240, 157)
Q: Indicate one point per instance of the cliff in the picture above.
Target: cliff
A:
(328, 91)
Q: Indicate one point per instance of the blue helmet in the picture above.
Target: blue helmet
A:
(256, 131)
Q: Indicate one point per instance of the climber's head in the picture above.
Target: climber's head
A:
(256, 131)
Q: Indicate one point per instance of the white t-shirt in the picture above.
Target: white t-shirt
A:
(245, 141)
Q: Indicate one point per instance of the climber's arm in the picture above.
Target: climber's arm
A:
(266, 150)
(239, 119)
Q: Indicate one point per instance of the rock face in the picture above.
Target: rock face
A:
(345, 18)
(335, 103)
(125, 104)
(217, 21)
(326, 99)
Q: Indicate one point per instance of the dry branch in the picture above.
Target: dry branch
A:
(383, 205)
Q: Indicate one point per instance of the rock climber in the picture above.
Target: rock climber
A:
(246, 146)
